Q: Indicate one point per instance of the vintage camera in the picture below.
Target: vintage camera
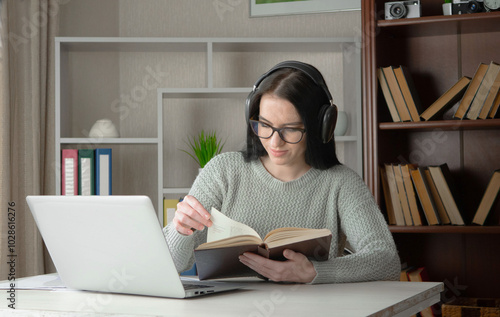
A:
(465, 6)
(402, 9)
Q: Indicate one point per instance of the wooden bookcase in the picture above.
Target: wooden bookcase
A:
(437, 50)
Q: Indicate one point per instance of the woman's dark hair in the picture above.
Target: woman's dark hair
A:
(308, 98)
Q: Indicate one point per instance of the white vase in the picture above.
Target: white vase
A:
(103, 128)
(446, 8)
(341, 126)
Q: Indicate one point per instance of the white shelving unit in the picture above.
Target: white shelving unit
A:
(198, 75)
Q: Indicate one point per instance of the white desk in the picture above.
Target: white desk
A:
(258, 299)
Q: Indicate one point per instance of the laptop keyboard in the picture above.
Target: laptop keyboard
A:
(194, 286)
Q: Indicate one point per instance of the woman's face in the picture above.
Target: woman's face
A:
(280, 113)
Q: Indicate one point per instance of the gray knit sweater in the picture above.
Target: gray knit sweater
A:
(336, 199)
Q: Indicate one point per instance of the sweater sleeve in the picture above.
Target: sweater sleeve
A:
(375, 255)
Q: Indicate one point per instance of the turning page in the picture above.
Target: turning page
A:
(225, 227)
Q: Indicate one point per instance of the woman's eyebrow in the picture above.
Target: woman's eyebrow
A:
(286, 124)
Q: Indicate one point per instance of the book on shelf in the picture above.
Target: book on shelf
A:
(493, 95)
(86, 172)
(394, 195)
(410, 193)
(471, 91)
(403, 277)
(391, 216)
(396, 93)
(494, 113)
(169, 208)
(490, 196)
(227, 239)
(69, 172)
(425, 196)
(103, 171)
(388, 96)
(482, 91)
(409, 92)
(447, 100)
(441, 176)
(420, 275)
(402, 195)
(443, 215)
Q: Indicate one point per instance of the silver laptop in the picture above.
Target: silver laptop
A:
(112, 244)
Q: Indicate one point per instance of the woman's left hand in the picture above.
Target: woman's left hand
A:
(297, 267)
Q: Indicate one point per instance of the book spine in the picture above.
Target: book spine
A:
(490, 99)
(489, 197)
(86, 172)
(103, 164)
(471, 91)
(409, 92)
(388, 96)
(396, 204)
(396, 93)
(69, 172)
(169, 208)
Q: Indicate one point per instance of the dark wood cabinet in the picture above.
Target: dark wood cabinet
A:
(437, 50)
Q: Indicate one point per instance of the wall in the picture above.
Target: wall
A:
(196, 18)
(123, 75)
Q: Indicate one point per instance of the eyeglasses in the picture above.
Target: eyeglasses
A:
(265, 131)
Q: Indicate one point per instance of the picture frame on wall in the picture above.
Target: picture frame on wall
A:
(260, 8)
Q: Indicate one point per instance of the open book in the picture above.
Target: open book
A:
(227, 239)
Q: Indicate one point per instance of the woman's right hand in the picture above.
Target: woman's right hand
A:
(191, 215)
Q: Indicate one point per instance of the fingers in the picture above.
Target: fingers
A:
(296, 269)
(191, 215)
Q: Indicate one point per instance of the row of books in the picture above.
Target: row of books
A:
(479, 97)
(417, 196)
(86, 172)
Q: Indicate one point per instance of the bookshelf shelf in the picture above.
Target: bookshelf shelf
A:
(441, 24)
(91, 141)
(437, 50)
(438, 19)
(450, 125)
(446, 229)
(172, 190)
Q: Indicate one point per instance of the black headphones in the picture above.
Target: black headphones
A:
(327, 113)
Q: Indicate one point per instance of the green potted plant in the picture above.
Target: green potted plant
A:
(204, 146)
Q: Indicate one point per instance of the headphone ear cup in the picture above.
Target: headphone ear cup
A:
(248, 102)
(328, 120)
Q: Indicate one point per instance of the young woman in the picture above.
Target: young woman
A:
(289, 176)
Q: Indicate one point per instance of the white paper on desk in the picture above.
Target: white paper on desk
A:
(49, 282)
(225, 227)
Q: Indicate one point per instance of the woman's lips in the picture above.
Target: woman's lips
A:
(277, 153)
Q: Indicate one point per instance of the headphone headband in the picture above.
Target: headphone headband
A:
(305, 68)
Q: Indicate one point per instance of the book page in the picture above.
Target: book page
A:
(225, 227)
(284, 236)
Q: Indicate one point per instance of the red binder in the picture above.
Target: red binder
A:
(69, 172)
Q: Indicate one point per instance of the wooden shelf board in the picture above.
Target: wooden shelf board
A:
(109, 140)
(440, 19)
(442, 24)
(173, 44)
(446, 229)
(442, 124)
(176, 190)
